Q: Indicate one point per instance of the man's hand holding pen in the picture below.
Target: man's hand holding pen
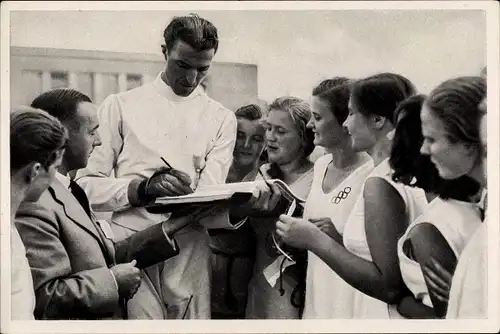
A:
(168, 182)
(165, 181)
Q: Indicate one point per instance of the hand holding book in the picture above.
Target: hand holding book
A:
(262, 202)
(264, 198)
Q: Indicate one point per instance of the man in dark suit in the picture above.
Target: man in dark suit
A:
(79, 272)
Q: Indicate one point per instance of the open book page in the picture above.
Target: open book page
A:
(225, 195)
(218, 192)
(212, 193)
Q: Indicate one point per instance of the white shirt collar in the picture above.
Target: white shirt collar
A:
(166, 91)
(65, 180)
(483, 201)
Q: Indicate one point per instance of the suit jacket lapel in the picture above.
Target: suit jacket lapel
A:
(77, 214)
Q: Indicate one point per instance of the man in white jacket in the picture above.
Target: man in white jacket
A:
(171, 118)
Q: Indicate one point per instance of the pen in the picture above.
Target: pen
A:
(166, 163)
(170, 167)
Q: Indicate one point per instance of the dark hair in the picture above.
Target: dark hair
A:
(406, 85)
(35, 136)
(199, 33)
(328, 84)
(380, 94)
(250, 112)
(61, 103)
(456, 103)
(338, 100)
(410, 167)
(300, 112)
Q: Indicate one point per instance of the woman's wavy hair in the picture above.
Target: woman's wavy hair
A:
(410, 167)
(250, 112)
(455, 102)
(328, 84)
(35, 136)
(380, 94)
(337, 99)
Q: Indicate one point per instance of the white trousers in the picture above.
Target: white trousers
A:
(178, 288)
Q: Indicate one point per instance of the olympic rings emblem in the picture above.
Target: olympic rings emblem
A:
(343, 194)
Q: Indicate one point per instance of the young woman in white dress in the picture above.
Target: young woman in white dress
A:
(445, 226)
(454, 127)
(367, 259)
(338, 179)
(289, 143)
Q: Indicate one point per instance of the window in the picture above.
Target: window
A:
(31, 83)
(86, 83)
(59, 80)
(133, 81)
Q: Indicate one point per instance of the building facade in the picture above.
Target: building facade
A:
(99, 73)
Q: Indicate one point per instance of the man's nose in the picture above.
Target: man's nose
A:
(191, 77)
(97, 141)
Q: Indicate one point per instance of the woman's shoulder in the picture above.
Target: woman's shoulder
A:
(452, 209)
(450, 216)
(323, 161)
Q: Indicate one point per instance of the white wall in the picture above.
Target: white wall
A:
(293, 50)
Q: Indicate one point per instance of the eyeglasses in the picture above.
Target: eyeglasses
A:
(343, 194)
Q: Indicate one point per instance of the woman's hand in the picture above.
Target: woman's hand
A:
(326, 225)
(296, 232)
(262, 203)
(439, 279)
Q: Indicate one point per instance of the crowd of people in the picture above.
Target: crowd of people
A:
(393, 226)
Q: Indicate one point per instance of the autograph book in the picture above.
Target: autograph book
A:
(230, 194)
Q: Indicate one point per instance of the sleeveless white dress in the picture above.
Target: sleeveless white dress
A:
(328, 296)
(364, 306)
(468, 293)
(469, 287)
(456, 221)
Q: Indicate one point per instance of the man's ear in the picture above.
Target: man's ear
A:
(32, 172)
(164, 51)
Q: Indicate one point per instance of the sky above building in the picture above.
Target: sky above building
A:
(293, 50)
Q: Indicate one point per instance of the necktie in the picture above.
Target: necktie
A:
(80, 196)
